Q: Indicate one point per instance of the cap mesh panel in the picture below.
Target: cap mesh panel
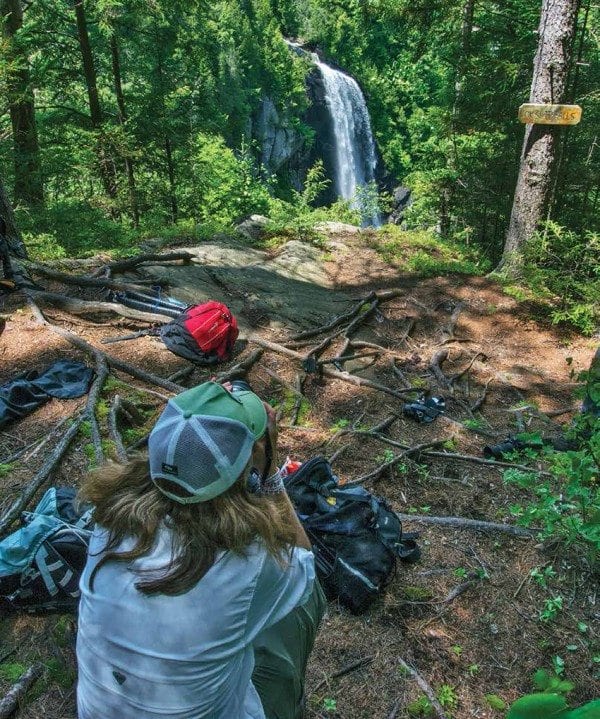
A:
(195, 462)
(229, 444)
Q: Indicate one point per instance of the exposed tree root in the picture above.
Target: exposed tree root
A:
(14, 512)
(334, 374)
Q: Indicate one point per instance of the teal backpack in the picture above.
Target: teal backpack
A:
(40, 563)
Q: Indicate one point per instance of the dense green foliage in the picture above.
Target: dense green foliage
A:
(565, 503)
(180, 87)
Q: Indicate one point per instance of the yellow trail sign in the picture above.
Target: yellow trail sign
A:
(540, 114)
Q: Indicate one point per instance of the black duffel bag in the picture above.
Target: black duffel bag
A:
(356, 537)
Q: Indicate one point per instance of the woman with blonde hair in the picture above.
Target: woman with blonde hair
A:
(199, 597)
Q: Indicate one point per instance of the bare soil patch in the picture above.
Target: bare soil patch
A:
(489, 639)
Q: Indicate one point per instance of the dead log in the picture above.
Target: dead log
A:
(10, 701)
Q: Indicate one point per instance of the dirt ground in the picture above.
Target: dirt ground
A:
(488, 639)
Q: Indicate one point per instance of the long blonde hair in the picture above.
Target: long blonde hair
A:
(128, 504)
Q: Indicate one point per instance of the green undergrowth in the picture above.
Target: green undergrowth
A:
(561, 276)
(424, 252)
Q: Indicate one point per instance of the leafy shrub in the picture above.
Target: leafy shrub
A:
(564, 267)
(225, 185)
(566, 504)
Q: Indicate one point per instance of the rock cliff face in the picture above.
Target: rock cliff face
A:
(278, 139)
(285, 149)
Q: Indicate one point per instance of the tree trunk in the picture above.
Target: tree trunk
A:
(540, 147)
(28, 173)
(8, 228)
(106, 167)
(116, 66)
(171, 171)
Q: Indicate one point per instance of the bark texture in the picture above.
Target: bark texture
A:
(28, 187)
(540, 146)
(116, 67)
(106, 167)
(8, 228)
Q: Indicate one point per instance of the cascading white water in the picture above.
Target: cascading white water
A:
(355, 158)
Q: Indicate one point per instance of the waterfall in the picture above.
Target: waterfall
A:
(355, 157)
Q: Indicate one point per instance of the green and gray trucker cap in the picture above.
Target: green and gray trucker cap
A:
(203, 440)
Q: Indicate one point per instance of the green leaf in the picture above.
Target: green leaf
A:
(495, 702)
(539, 706)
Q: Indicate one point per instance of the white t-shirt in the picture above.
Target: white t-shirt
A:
(186, 656)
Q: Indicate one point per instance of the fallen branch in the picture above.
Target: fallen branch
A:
(130, 263)
(425, 687)
(15, 694)
(351, 667)
(14, 512)
(464, 523)
(334, 374)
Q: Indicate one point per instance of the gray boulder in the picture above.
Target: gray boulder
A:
(253, 227)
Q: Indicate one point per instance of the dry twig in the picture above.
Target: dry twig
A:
(10, 701)
(351, 667)
(464, 523)
(425, 687)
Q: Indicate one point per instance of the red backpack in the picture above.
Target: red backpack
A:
(204, 334)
